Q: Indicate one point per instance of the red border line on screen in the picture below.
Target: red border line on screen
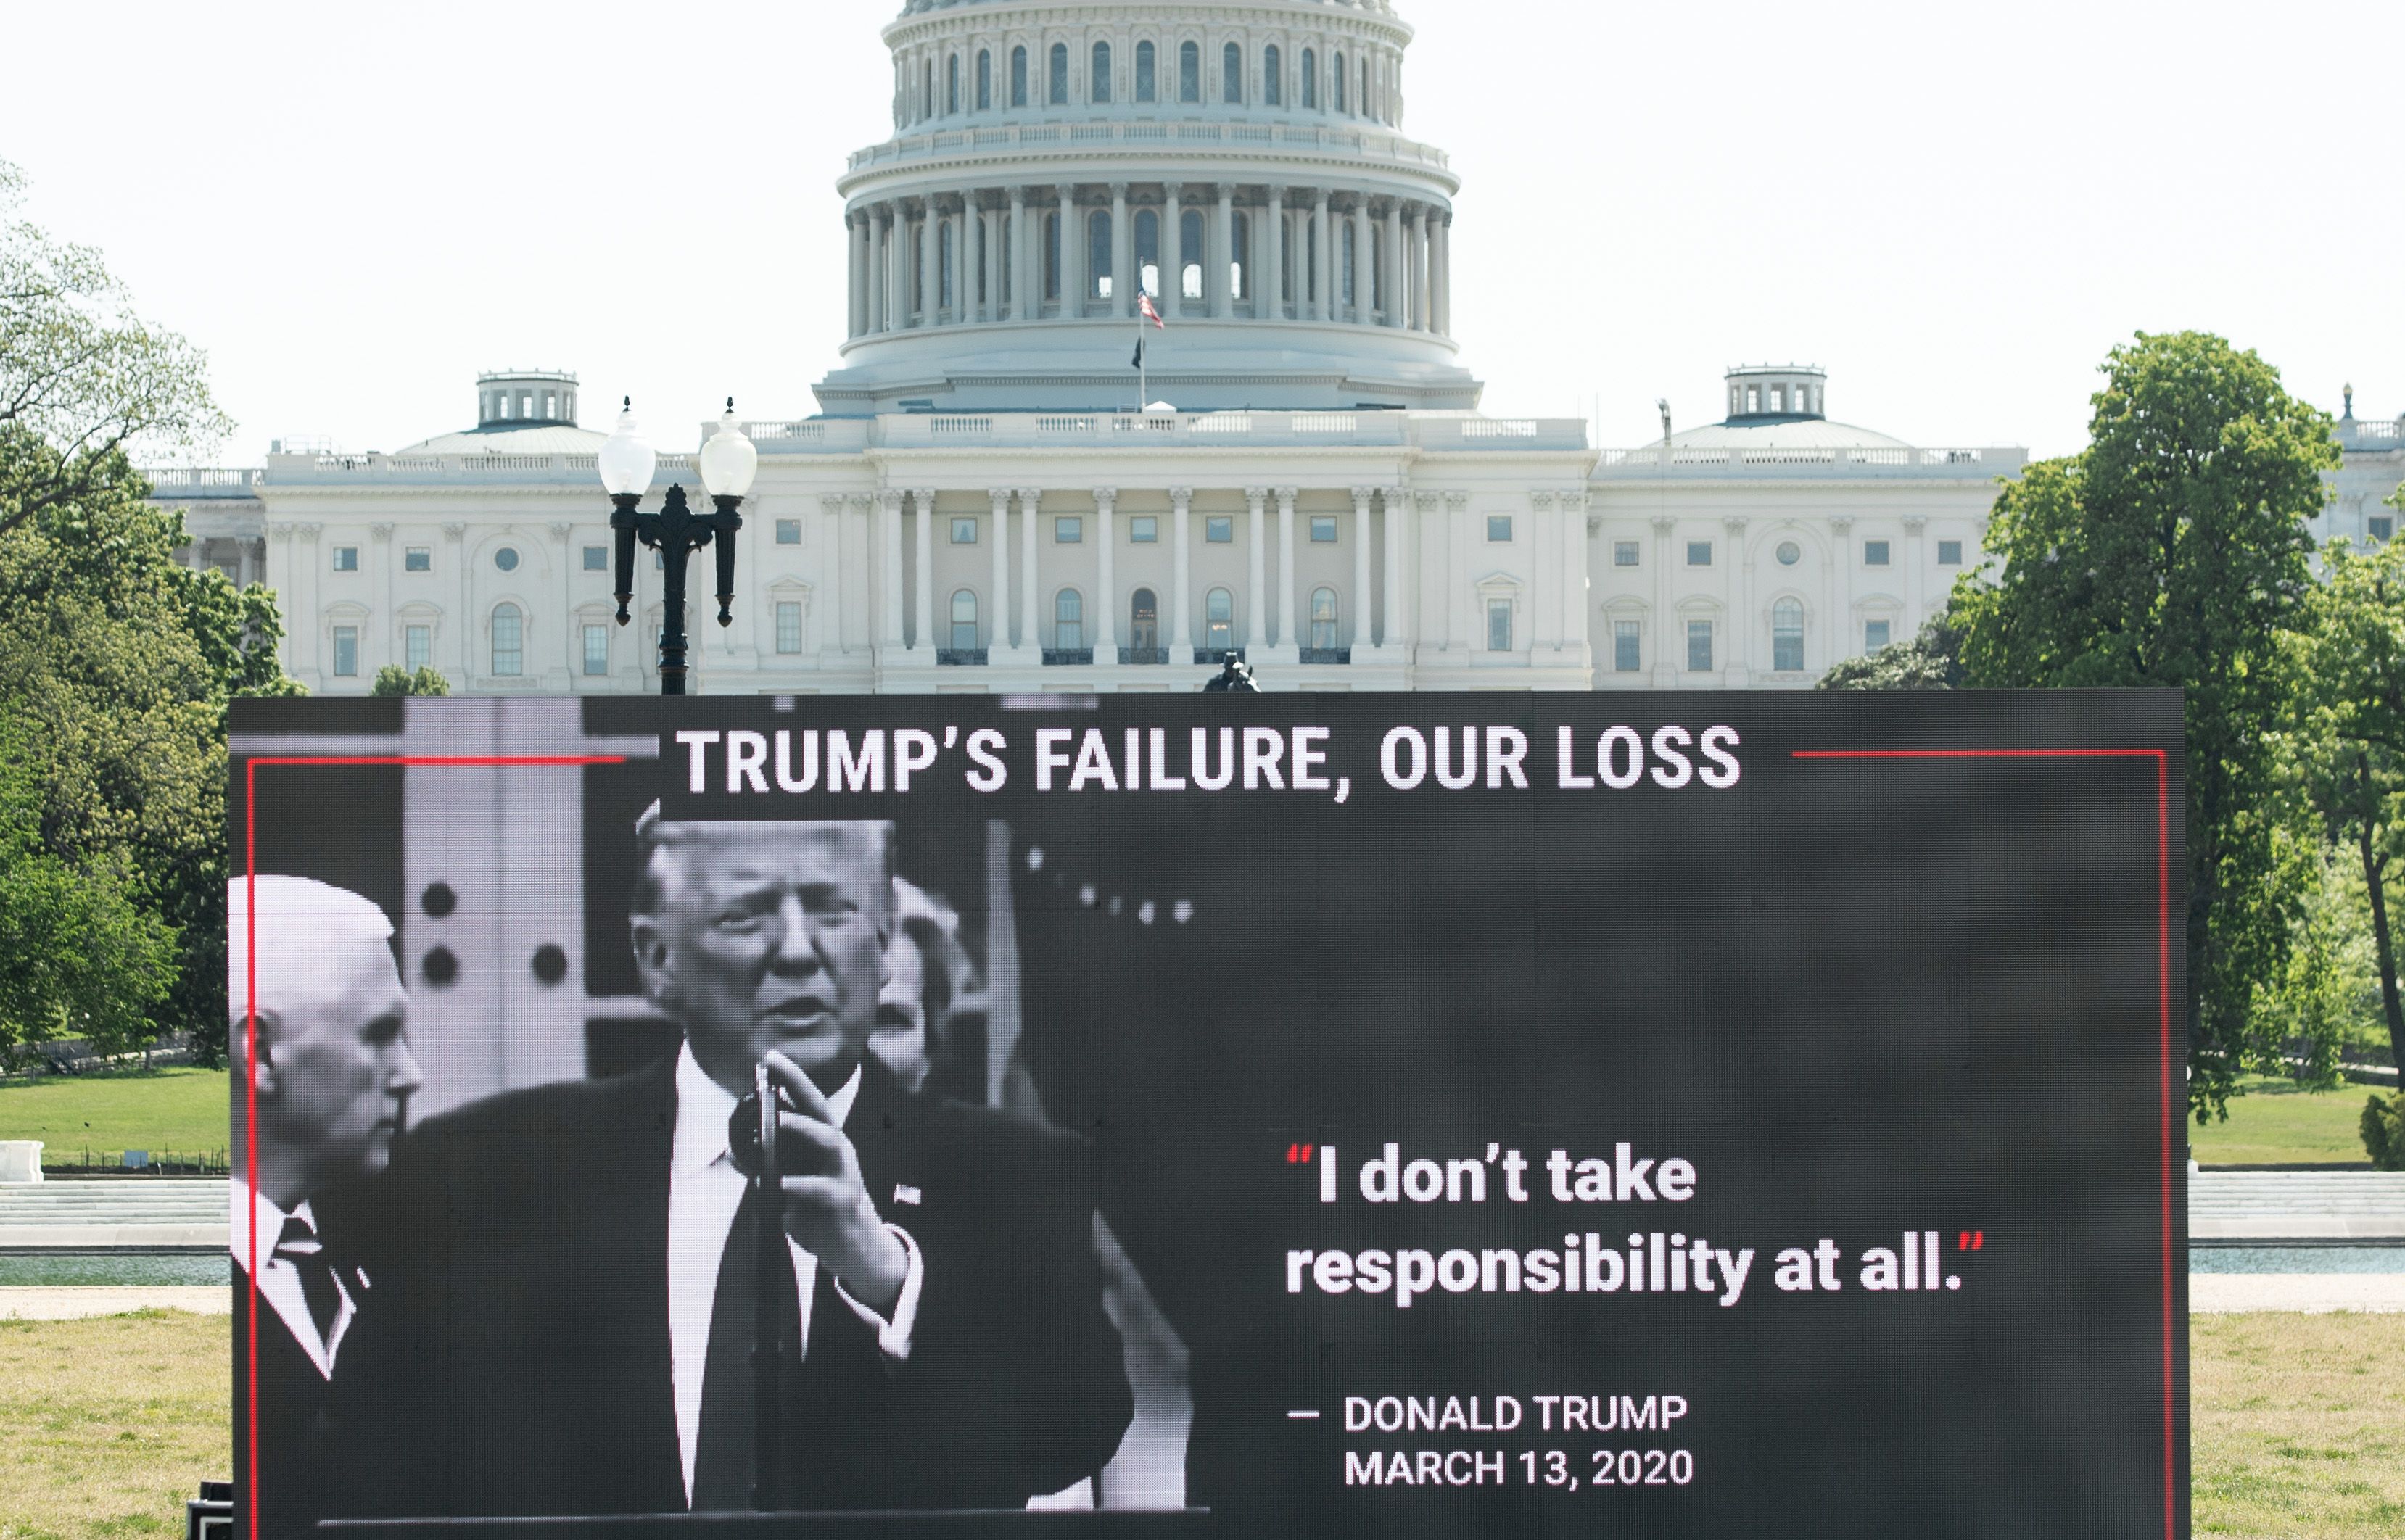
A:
(2163, 997)
(250, 1009)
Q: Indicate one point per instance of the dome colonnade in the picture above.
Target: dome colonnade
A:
(1239, 161)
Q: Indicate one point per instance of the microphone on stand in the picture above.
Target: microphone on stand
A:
(752, 1144)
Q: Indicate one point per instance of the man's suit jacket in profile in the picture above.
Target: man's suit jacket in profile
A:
(516, 1357)
(294, 1423)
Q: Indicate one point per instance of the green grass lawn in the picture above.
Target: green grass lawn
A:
(174, 1108)
(106, 1426)
(2275, 1123)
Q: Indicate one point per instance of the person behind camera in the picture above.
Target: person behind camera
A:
(572, 1319)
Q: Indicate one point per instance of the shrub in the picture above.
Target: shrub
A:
(2383, 1130)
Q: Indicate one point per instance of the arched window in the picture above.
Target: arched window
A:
(1143, 620)
(944, 264)
(1787, 636)
(953, 84)
(1144, 85)
(1052, 257)
(1148, 251)
(1098, 254)
(985, 80)
(1323, 617)
(1189, 72)
(927, 90)
(919, 298)
(1273, 88)
(1339, 74)
(1344, 263)
(1068, 620)
(1190, 251)
(1058, 79)
(964, 623)
(1018, 76)
(1218, 620)
(1231, 74)
(1365, 87)
(1098, 81)
(509, 643)
(1310, 79)
(1240, 244)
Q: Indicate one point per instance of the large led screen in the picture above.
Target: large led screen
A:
(1675, 1114)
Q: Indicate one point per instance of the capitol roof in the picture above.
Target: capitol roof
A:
(513, 439)
(1784, 433)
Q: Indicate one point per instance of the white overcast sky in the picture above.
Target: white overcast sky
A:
(1955, 207)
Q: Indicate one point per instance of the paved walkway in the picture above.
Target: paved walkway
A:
(77, 1304)
(2315, 1294)
(99, 1216)
(2295, 1205)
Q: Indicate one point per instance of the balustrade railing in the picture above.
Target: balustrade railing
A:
(912, 146)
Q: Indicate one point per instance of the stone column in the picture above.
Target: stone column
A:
(1256, 570)
(1572, 501)
(997, 604)
(1845, 640)
(1106, 599)
(965, 259)
(1365, 311)
(1454, 589)
(931, 290)
(1323, 264)
(897, 267)
(875, 225)
(1268, 286)
(1073, 254)
(1441, 251)
(831, 571)
(1030, 500)
(991, 221)
(386, 629)
(1544, 598)
(1360, 601)
(1736, 667)
(1667, 662)
(857, 245)
(1396, 630)
(1216, 280)
(1916, 579)
(1421, 282)
(924, 570)
(1173, 251)
(570, 651)
(1020, 309)
(1287, 631)
(454, 551)
(888, 518)
(1396, 269)
(1123, 272)
(1181, 609)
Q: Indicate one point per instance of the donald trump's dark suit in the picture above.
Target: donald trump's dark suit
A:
(517, 1357)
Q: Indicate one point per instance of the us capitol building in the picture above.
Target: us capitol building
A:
(985, 501)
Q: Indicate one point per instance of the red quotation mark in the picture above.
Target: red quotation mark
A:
(1970, 1240)
(1299, 1155)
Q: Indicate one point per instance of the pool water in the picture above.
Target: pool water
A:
(2340, 1257)
(78, 1269)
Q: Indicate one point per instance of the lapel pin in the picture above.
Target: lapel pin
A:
(904, 1192)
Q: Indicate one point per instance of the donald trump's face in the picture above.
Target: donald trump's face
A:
(760, 936)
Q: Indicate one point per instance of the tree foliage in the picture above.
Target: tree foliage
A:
(81, 373)
(393, 679)
(115, 666)
(2173, 551)
(1931, 661)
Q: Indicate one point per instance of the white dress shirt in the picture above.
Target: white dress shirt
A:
(703, 1191)
(279, 1281)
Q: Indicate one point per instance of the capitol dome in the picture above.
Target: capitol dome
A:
(518, 411)
(1243, 162)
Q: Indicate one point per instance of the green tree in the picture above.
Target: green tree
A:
(79, 957)
(1931, 661)
(118, 663)
(393, 679)
(81, 373)
(2173, 551)
(2350, 671)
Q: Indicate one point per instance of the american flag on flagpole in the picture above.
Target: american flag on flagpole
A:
(1144, 308)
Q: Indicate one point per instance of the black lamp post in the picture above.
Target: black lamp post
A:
(727, 463)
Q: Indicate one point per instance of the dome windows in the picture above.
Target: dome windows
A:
(1340, 82)
(1099, 78)
(1057, 78)
(952, 85)
(1776, 392)
(1232, 75)
(1272, 93)
(1018, 76)
(1310, 80)
(985, 80)
(1146, 86)
(1189, 73)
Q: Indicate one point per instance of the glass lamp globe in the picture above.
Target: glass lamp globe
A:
(728, 461)
(625, 458)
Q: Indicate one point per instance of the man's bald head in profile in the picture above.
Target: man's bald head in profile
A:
(760, 936)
